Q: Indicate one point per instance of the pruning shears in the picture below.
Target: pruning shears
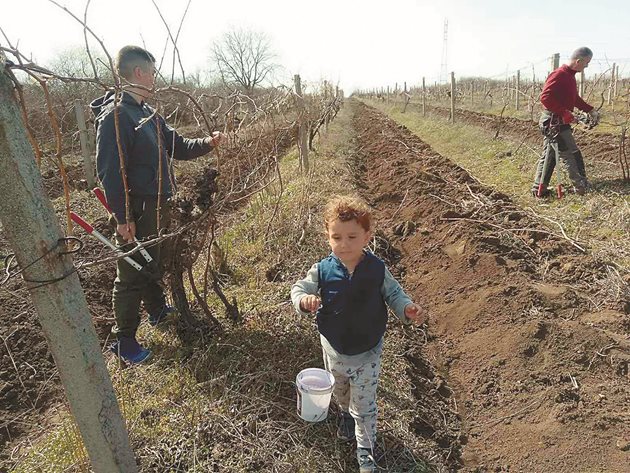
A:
(150, 269)
(101, 197)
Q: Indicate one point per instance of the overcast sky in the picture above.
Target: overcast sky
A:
(359, 44)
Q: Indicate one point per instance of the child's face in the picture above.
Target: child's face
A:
(347, 240)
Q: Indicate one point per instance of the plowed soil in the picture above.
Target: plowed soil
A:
(535, 356)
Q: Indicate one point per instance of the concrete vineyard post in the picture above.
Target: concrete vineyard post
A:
(34, 233)
(84, 139)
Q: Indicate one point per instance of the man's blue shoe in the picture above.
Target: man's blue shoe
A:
(156, 319)
(130, 350)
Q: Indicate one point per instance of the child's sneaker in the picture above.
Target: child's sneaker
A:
(156, 319)
(367, 464)
(345, 427)
(130, 350)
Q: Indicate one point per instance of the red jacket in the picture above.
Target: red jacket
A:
(560, 93)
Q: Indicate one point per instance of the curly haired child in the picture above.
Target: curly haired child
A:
(350, 291)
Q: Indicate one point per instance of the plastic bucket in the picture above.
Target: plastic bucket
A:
(314, 389)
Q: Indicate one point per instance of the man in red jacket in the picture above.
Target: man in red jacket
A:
(559, 97)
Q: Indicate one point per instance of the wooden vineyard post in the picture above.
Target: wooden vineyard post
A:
(302, 126)
(86, 151)
(406, 97)
(517, 92)
(34, 233)
(508, 89)
(452, 97)
(424, 99)
(611, 86)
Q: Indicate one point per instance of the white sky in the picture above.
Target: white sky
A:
(359, 44)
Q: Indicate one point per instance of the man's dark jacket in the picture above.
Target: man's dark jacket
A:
(138, 141)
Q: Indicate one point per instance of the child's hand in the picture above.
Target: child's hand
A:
(415, 313)
(310, 303)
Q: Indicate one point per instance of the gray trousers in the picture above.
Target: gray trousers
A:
(569, 154)
(356, 380)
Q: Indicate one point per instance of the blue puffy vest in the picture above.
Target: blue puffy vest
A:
(353, 314)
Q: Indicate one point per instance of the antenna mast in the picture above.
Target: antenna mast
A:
(444, 66)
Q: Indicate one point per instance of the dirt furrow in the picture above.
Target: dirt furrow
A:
(535, 361)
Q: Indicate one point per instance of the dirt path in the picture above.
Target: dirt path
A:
(539, 377)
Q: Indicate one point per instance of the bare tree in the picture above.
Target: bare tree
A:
(243, 58)
(75, 62)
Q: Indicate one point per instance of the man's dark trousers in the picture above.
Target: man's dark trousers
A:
(570, 156)
(132, 287)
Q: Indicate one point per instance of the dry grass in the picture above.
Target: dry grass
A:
(227, 402)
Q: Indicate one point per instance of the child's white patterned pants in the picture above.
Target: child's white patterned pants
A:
(356, 380)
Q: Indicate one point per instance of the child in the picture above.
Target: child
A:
(349, 291)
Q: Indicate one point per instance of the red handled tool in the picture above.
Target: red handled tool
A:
(556, 150)
(101, 196)
(99, 236)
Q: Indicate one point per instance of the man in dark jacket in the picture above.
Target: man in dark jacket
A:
(559, 97)
(138, 187)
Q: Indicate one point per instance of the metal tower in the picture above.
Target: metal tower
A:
(444, 66)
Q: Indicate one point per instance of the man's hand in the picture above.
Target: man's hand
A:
(415, 313)
(217, 138)
(594, 117)
(567, 117)
(310, 303)
(127, 230)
